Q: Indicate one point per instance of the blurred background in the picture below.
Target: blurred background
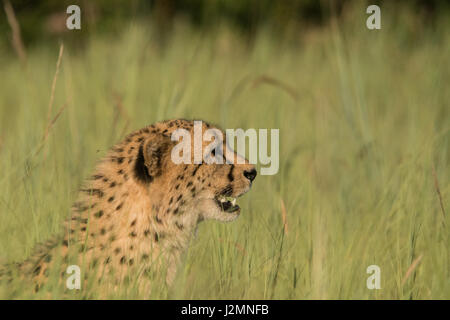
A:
(364, 134)
(45, 20)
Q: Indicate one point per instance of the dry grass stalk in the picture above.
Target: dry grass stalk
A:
(120, 112)
(276, 83)
(236, 245)
(411, 268)
(52, 93)
(284, 216)
(49, 127)
(438, 191)
(15, 28)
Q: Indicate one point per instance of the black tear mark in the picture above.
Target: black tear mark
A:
(230, 174)
(196, 168)
(140, 170)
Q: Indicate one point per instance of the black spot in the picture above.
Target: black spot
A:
(99, 214)
(189, 184)
(112, 185)
(97, 177)
(48, 258)
(117, 250)
(111, 199)
(133, 222)
(230, 174)
(83, 229)
(119, 206)
(102, 231)
(131, 261)
(120, 171)
(156, 237)
(140, 170)
(175, 211)
(65, 243)
(146, 232)
(133, 234)
(120, 160)
(177, 186)
(145, 256)
(37, 270)
(79, 207)
(179, 197)
(179, 225)
(158, 220)
(171, 200)
(107, 260)
(123, 260)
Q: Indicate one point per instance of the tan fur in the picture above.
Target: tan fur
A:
(121, 221)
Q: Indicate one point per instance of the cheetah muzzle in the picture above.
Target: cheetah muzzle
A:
(139, 206)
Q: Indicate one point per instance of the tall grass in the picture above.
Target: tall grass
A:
(363, 118)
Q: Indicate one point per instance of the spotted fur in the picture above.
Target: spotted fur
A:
(139, 209)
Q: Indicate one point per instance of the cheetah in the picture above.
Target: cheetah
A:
(139, 209)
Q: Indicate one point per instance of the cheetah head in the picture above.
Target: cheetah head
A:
(206, 190)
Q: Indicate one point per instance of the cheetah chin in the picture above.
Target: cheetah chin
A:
(139, 210)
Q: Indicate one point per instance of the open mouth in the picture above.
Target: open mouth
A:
(228, 204)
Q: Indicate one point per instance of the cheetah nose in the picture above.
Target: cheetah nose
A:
(250, 175)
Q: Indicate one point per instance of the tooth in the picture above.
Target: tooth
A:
(233, 202)
(222, 200)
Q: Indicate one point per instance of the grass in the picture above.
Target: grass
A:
(364, 151)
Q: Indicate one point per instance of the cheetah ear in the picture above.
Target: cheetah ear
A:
(154, 152)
